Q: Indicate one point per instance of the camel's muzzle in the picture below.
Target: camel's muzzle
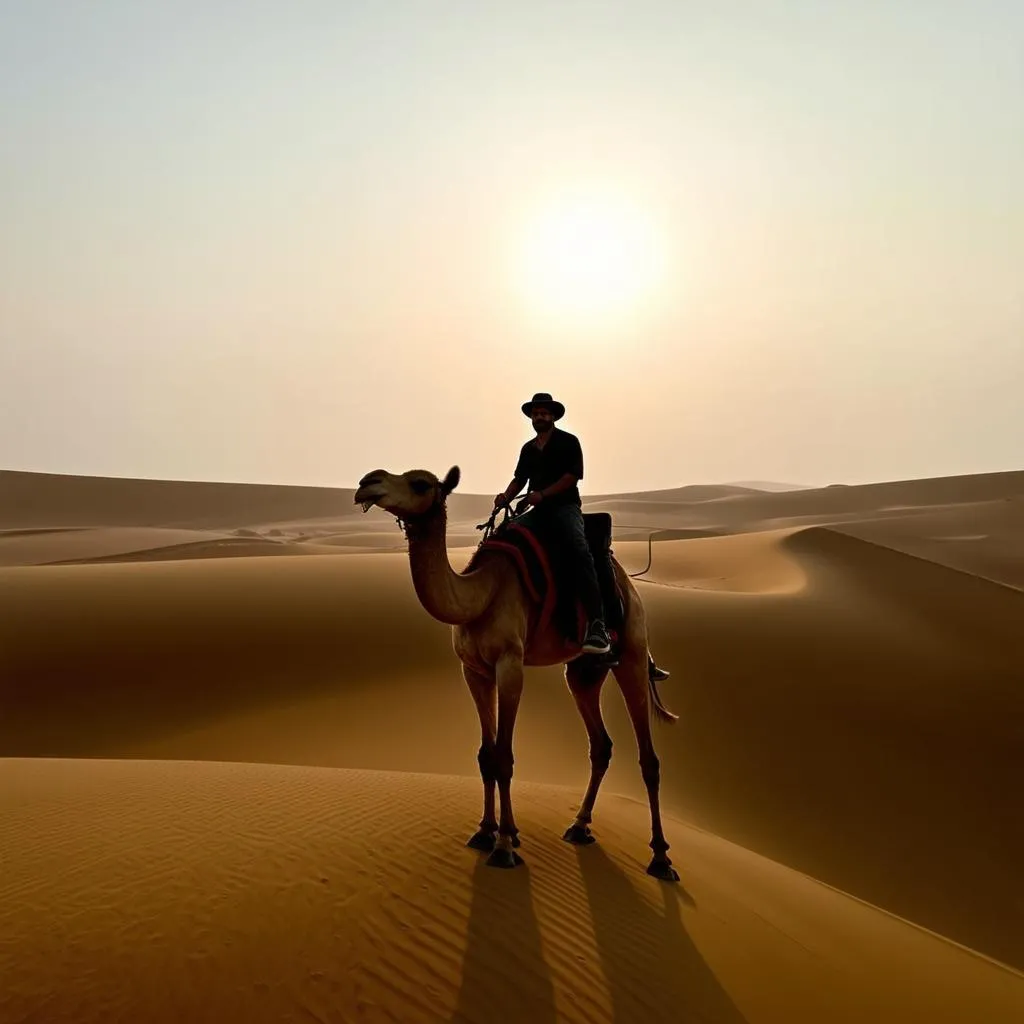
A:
(367, 501)
(369, 493)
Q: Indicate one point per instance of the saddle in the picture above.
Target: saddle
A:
(547, 573)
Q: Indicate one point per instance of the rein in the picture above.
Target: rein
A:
(510, 514)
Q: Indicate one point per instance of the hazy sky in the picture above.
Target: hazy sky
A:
(287, 242)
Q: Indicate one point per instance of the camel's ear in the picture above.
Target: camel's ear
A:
(451, 481)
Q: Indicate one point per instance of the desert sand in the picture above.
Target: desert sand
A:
(238, 787)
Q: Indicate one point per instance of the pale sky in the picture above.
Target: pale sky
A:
(287, 242)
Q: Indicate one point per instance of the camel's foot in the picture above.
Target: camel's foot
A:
(661, 868)
(483, 841)
(503, 858)
(579, 835)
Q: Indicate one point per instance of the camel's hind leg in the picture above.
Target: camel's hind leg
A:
(585, 679)
(485, 691)
(631, 674)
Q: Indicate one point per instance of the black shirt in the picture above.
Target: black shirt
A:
(561, 454)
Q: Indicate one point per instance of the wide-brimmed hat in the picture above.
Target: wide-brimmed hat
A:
(543, 398)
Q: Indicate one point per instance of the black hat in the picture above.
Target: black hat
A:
(543, 398)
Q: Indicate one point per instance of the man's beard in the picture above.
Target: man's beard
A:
(542, 426)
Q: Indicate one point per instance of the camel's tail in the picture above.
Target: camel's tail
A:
(661, 712)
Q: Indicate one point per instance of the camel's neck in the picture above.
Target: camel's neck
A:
(445, 594)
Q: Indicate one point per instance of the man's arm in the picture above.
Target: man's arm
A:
(506, 496)
(519, 478)
(513, 489)
(563, 483)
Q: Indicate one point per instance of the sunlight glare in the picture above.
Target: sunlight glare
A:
(591, 256)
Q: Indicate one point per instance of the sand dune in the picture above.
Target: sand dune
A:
(803, 688)
(770, 485)
(687, 495)
(39, 502)
(212, 892)
(34, 500)
(846, 664)
(984, 538)
(44, 499)
(891, 497)
(128, 544)
(745, 563)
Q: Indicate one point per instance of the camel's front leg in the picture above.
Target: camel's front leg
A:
(509, 679)
(482, 687)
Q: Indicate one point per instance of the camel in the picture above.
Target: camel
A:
(489, 611)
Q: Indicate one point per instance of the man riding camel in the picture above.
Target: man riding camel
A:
(552, 464)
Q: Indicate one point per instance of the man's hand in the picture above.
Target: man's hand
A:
(535, 497)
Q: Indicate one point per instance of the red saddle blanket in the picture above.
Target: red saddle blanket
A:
(548, 579)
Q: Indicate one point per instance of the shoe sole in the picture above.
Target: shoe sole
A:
(596, 650)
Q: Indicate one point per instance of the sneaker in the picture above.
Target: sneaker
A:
(658, 674)
(597, 640)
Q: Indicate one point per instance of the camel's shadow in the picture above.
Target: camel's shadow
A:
(652, 969)
(504, 974)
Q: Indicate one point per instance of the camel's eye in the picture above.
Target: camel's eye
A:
(421, 486)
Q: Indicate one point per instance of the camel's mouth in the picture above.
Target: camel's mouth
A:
(367, 501)
(368, 496)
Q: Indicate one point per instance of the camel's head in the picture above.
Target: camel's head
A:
(407, 496)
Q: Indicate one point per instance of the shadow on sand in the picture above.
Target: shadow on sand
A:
(653, 970)
(504, 974)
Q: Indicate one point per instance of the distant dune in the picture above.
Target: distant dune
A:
(690, 494)
(238, 786)
(770, 485)
(42, 499)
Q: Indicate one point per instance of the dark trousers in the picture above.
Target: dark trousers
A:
(564, 524)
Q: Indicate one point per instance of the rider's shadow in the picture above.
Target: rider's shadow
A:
(504, 974)
(653, 969)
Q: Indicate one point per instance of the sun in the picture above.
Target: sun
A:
(589, 257)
